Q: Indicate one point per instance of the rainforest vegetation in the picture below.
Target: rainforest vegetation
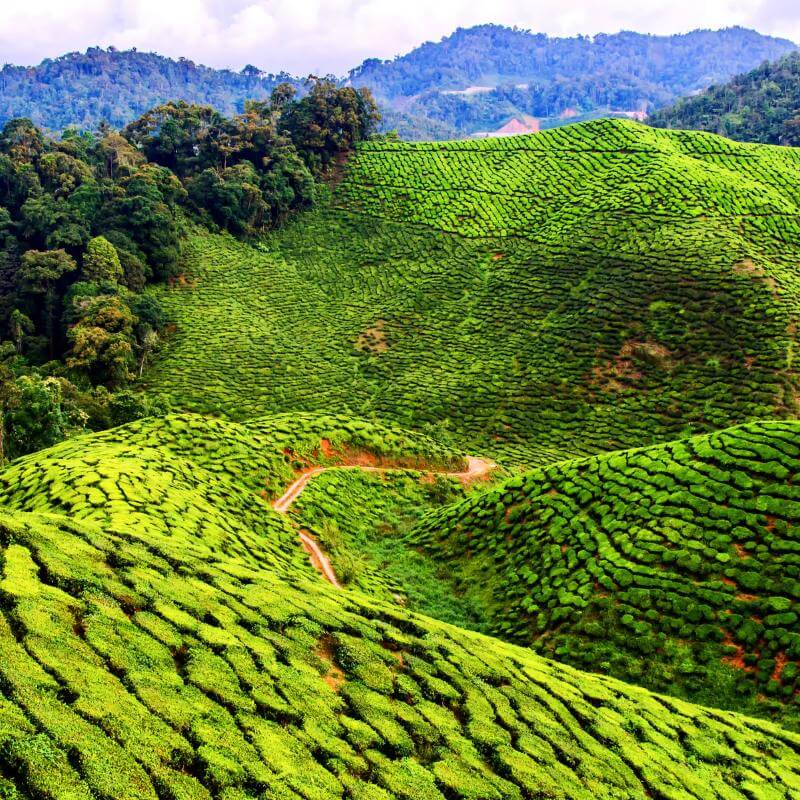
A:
(421, 93)
(759, 106)
(89, 222)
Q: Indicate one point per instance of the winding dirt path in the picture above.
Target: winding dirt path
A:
(476, 468)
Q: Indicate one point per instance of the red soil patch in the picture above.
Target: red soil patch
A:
(740, 551)
(622, 370)
(326, 447)
(498, 256)
(737, 659)
(326, 651)
(780, 663)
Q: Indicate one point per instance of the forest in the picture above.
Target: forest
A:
(759, 106)
(420, 92)
(521, 72)
(89, 222)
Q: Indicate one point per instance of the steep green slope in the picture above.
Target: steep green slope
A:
(174, 665)
(674, 566)
(590, 288)
(758, 106)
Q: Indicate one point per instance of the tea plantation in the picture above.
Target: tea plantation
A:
(548, 302)
(595, 287)
(160, 637)
(672, 566)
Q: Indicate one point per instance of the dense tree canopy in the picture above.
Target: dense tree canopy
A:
(759, 106)
(527, 73)
(477, 78)
(87, 220)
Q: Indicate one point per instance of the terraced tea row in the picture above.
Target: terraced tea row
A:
(673, 566)
(163, 667)
(591, 288)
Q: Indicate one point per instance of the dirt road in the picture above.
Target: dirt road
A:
(476, 468)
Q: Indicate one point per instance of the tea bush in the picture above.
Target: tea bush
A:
(591, 288)
(174, 655)
(674, 566)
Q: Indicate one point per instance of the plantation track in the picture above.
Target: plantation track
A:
(476, 468)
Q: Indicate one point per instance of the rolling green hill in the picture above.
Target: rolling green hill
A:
(591, 288)
(673, 566)
(158, 641)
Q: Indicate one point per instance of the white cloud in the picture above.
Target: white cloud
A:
(334, 35)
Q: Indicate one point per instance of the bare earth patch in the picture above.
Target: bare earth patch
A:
(373, 340)
(326, 652)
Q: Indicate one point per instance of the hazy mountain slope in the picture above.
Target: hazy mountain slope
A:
(135, 666)
(84, 89)
(528, 73)
(595, 287)
(477, 78)
(673, 566)
(759, 106)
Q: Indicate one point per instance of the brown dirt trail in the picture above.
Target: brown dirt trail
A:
(476, 468)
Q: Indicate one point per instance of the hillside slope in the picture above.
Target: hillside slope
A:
(590, 288)
(758, 106)
(478, 78)
(135, 665)
(673, 566)
(114, 86)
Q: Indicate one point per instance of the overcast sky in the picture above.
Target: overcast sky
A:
(323, 36)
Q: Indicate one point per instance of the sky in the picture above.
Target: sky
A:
(331, 36)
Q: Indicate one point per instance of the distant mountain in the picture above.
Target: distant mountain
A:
(759, 106)
(479, 78)
(84, 89)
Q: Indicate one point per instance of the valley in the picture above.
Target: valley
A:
(530, 406)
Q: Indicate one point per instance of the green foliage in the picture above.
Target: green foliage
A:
(589, 288)
(102, 340)
(330, 120)
(117, 204)
(478, 78)
(759, 106)
(38, 274)
(674, 566)
(113, 87)
(361, 519)
(526, 73)
(101, 261)
(33, 417)
(162, 635)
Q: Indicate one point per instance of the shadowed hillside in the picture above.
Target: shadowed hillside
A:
(590, 288)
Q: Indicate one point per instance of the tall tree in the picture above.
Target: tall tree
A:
(39, 274)
(101, 262)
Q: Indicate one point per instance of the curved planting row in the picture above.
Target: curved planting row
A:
(142, 668)
(592, 288)
(674, 566)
